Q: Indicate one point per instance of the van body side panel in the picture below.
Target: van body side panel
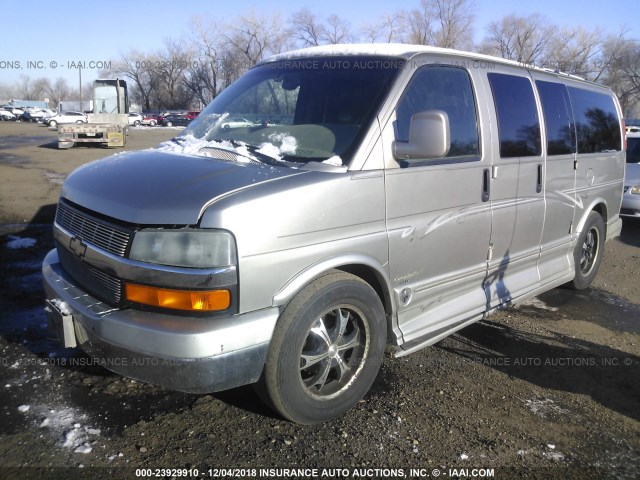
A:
(439, 229)
(559, 177)
(600, 165)
(517, 207)
(438, 240)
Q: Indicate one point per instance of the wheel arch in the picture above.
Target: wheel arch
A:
(600, 207)
(362, 266)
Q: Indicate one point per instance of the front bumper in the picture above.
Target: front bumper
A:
(630, 205)
(197, 355)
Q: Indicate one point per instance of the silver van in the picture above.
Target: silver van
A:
(371, 196)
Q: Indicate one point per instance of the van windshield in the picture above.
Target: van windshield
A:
(299, 110)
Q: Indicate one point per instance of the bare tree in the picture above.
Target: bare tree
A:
(306, 29)
(575, 51)
(523, 39)
(418, 24)
(170, 70)
(203, 74)
(389, 28)
(58, 90)
(455, 19)
(139, 68)
(337, 30)
(29, 89)
(254, 37)
(620, 60)
(6, 92)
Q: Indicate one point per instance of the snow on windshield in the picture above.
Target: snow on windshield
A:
(188, 144)
(287, 146)
(283, 144)
(335, 161)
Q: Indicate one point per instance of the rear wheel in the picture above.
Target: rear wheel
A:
(589, 251)
(53, 123)
(326, 349)
(169, 124)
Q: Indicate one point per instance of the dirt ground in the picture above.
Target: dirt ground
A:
(550, 389)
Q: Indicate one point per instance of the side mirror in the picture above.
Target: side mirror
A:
(429, 137)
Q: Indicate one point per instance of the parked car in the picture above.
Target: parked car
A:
(26, 117)
(6, 115)
(66, 117)
(150, 119)
(17, 111)
(175, 120)
(236, 122)
(631, 197)
(191, 115)
(39, 114)
(135, 119)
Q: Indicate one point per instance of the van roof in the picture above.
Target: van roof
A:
(402, 50)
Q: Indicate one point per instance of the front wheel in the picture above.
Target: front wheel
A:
(53, 123)
(589, 251)
(326, 350)
(169, 124)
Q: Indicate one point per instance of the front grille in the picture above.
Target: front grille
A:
(99, 284)
(93, 230)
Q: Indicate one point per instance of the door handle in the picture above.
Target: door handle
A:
(486, 184)
(539, 184)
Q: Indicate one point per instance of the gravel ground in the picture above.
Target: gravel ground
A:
(549, 389)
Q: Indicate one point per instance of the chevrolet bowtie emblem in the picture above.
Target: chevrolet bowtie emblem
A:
(78, 247)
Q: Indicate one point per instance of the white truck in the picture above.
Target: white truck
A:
(108, 123)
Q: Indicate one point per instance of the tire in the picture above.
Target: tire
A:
(326, 350)
(53, 123)
(79, 122)
(588, 251)
(152, 123)
(169, 124)
(136, 123)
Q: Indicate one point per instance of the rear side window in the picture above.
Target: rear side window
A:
(518, 123)
(597, 124)
(448, 89)
(558, 119)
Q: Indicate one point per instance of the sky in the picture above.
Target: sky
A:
(50, 39)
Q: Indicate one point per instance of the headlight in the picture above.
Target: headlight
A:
(635, 190)
(184, 248)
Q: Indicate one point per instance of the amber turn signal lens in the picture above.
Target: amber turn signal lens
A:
(193, 300)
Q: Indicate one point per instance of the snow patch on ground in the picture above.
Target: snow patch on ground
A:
(16, 243)
(545, 407)
(535, 302)
(67, 424)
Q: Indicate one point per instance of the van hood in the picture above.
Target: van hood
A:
(151, 187)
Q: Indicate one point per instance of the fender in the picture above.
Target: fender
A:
(303, 278)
